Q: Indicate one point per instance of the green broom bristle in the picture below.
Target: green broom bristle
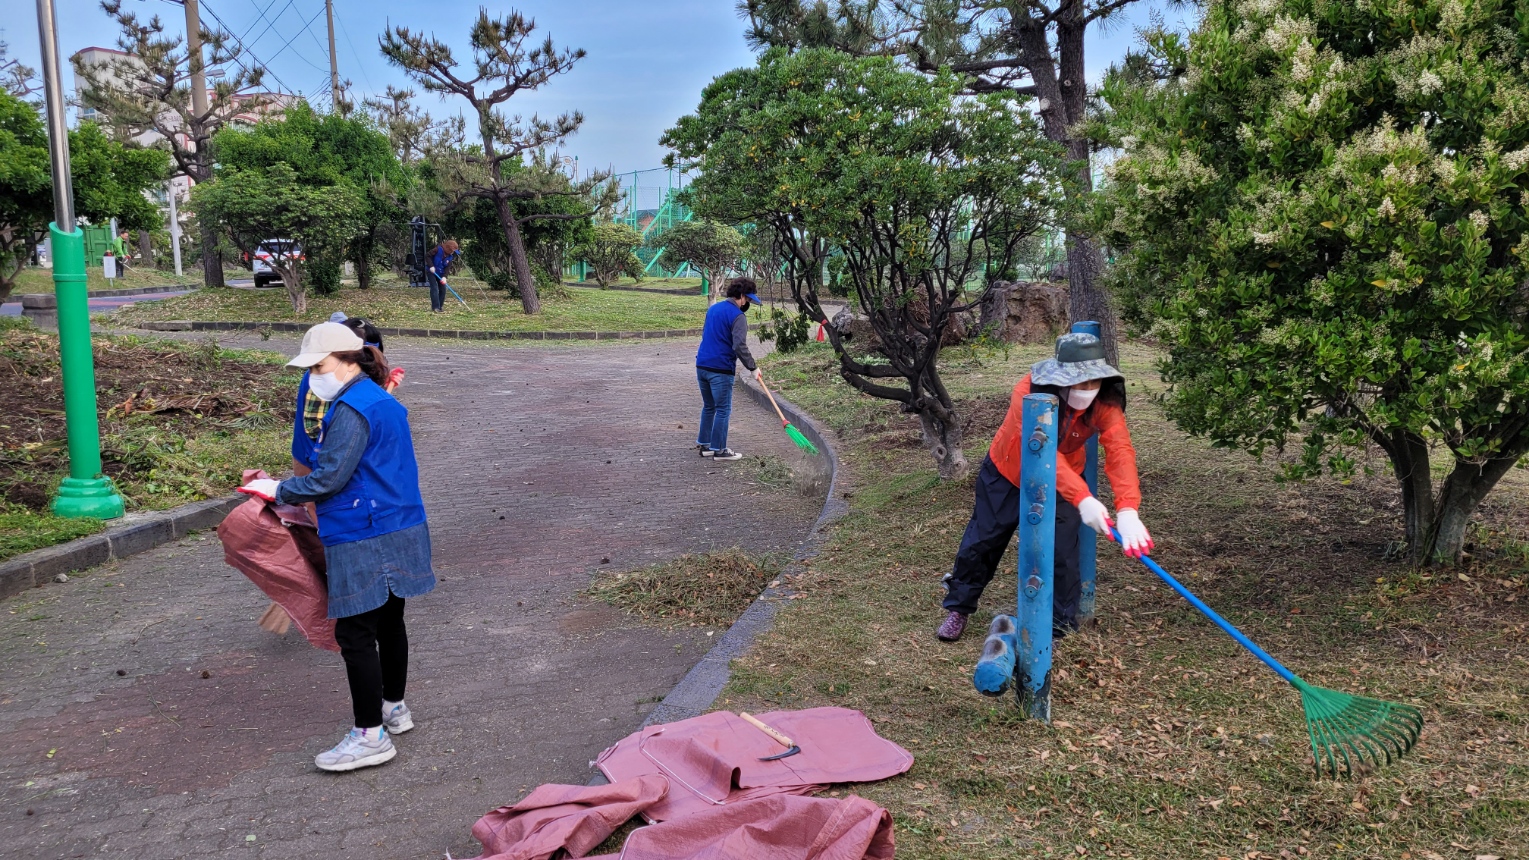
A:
(1350, 733)
(801, 441)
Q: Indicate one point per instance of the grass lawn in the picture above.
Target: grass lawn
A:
(1168, 740)
(41, 280)
(403, 307)
(179, 423)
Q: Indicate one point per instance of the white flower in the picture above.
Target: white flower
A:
(1516, 159)
(1430, 83)
(1481, 219)
(1387, 208)
(1265, 239)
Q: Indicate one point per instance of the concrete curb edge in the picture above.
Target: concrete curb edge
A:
(136, 533)
(299, 328)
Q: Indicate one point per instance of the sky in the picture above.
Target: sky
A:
(646, 66)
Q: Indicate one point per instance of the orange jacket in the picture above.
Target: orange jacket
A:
(1108, 420)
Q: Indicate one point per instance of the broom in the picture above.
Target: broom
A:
(801, 441)
(1357, 729)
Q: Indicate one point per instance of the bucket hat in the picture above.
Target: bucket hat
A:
(1079, 358)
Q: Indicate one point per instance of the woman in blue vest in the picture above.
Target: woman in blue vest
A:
(371, 518)
(724, 343)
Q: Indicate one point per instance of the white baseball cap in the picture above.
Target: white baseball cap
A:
(323, 339)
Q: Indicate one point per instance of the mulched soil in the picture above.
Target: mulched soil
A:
(185, 389)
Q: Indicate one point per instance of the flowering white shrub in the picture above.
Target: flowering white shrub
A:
(1323, 214)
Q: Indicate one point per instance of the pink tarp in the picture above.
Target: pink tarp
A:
(278, 548)
(778, 828)
(557, 817)
(712, 760)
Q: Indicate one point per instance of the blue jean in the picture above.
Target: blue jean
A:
(716, 409)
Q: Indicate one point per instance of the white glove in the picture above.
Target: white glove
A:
(758, 375)
(1095, 516)
(1134, 538)
(263, 488)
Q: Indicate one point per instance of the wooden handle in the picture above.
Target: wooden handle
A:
(779, 738)
(782, 415)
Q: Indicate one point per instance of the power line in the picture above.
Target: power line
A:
(357, 55)
(245, 48)
(271, 22)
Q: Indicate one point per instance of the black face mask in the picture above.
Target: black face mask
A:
(746, 305)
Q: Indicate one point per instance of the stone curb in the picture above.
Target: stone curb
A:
(704, 682)
(299, 328)
(688, 291)
(136, 533)
(111, 294)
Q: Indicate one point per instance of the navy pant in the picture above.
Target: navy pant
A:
(437, 292)
(995, 516)
(716, 407)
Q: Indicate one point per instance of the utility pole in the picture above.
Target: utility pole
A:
(175, 228)
(334, 65)
(86, 492)
(194, 50)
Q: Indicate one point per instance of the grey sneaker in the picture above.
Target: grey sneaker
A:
(726, 454)
(954, 626)
(397, 719)
(357, 751)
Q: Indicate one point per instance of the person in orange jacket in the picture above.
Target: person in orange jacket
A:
(1092, 397)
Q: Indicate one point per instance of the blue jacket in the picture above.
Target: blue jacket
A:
(303, 449)
(382, 495)
(440, 260)
(724, 339)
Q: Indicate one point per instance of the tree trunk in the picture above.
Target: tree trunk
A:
(145, 248)
(295, 292)
(529, 301)
(943, 439)
(212, 260)
(1462, 493)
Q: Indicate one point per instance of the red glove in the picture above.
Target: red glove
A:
(395, 379)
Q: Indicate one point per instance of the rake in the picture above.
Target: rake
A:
(801, 441)
(1347, 732)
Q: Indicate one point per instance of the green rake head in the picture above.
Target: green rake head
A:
(1353, 733)
(801, 441)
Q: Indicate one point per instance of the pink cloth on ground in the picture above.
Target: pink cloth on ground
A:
(777, 828)
(265, 542)
(713, 760)
(555, 818)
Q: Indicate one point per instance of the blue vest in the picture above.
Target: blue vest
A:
(382, 496)
(716, 352)
(303, 449)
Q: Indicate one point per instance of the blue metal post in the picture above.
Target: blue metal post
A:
(1037, 554)
(1088, 542)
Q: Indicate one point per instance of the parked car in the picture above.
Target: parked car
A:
(280, 249)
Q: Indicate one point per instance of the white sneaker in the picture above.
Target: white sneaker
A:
(727, 454)
(357, 751)
(397, 719)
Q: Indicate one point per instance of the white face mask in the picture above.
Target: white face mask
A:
(1080, 399)
(324, 386)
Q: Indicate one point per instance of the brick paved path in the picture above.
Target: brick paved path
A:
(145, 715)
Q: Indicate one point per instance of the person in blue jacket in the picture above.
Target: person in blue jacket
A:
(724, 343)
(440, 259)
(371, 519)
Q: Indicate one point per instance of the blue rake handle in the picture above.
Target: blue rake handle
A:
(1225, 625)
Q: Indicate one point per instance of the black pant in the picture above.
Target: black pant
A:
(376, 651)
(994, 519)
(437, 292)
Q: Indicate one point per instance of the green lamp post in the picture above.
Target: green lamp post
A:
(86, 492)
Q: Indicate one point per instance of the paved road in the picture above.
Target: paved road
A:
(146, 716)
(98, 305)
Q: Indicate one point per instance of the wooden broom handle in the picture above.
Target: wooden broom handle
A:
(782, 415)
(779, 738)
